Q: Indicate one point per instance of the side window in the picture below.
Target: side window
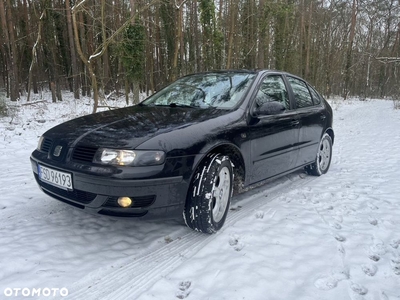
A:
(315, 96)
(301, 92)
(271, 89)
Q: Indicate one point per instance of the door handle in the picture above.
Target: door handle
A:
(295, 122)
(323, 117)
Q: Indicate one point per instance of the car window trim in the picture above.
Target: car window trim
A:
(257, 88)
(311, 88)
(308, 87)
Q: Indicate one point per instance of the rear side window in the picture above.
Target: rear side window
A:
(301, 93)
(315, 96)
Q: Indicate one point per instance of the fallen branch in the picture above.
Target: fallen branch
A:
(386, 60)
(33, 103)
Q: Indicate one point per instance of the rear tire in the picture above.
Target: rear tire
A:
(209, 194)
(323, 159)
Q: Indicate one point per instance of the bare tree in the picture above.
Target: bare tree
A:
(231, 32)
(178, 5)
(74, 63)
(7, 25)
(347, 70)
(343, 47)
(35, 54)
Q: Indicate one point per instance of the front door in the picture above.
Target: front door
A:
(273, 137)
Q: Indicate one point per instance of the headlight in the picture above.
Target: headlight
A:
(39, 145)
(129, 157)
(117, 157)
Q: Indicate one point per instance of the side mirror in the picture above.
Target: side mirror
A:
(270, 108)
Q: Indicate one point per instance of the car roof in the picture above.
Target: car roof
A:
(248, 71)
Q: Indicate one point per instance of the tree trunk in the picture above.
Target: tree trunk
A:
(6, 46)
(136, 88)
(150, 57)
(30, 44)
(74, 63)
(82, 40)
(178, 38)
(347, 74)
(160, 74)
(105, 56)
(8, 29)
(231, 33)
(261, 35)
(198, 65)
(34, 56)
(308, 42)
(88, 64)
(127, 90)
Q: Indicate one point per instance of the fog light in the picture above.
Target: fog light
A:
(124, 201)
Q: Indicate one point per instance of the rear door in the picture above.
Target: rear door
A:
(273, 137)
(312, 119)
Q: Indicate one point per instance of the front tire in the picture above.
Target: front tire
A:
(324, 157)
(209, 194)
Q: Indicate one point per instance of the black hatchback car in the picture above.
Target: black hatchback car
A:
(184, 150)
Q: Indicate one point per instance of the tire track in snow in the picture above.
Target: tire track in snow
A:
(134, 278)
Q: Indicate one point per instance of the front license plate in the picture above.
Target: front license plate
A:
(59, 179)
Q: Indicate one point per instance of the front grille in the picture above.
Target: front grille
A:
(143, 201)
(84, 153)
(46, 145)
(75, 195)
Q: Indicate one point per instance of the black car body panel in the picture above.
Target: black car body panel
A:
(263, 146)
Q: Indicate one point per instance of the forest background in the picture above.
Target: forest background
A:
(106, 47)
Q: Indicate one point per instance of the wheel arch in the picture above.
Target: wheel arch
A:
(330, 132)
(236, 157)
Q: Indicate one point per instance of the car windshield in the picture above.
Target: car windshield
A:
(219, 90)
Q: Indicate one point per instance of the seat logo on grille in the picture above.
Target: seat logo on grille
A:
(57, 151)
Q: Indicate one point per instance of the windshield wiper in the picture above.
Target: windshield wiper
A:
(173, 104)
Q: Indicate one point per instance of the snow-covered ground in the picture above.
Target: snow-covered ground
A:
(334, 237)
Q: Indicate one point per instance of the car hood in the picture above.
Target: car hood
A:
(128, 127)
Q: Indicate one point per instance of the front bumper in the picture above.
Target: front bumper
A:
(152, 198)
